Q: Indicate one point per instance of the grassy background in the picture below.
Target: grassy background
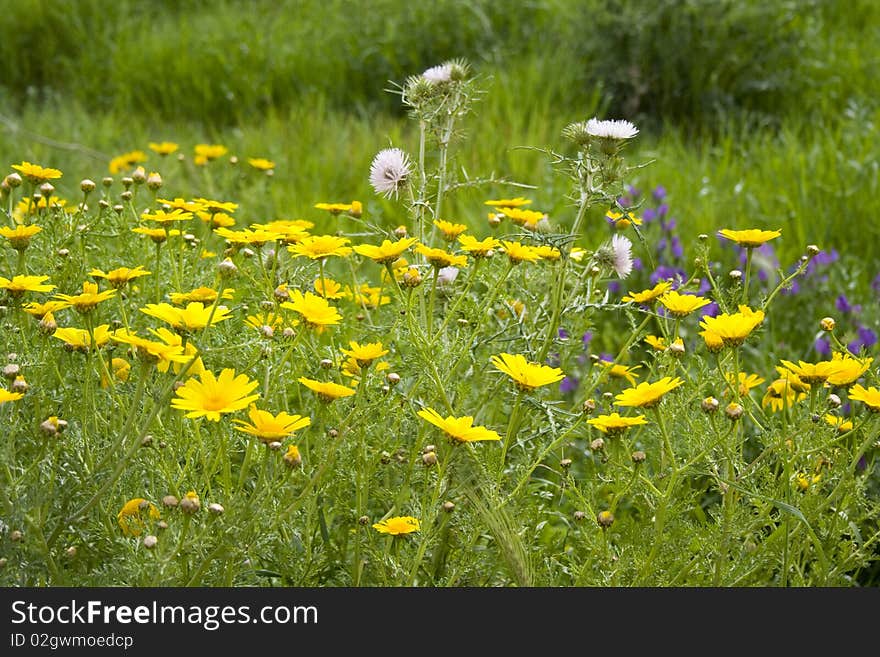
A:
(755, 114)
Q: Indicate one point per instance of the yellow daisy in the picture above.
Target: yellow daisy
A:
(681, 305)
(526, 375)
(271, 428)
(317, 247)
(210, 396)
(397, 526)
(326, 391)
(460, 429)
(615, 424)
(751, 238)
(647, 395)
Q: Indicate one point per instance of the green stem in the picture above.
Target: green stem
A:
(745, 292)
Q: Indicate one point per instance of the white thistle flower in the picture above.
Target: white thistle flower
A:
(447, 275)
(622, 261)
(441, 73)
(616, 129)
(389, 170)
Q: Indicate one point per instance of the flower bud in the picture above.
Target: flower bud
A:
(449, 507)
(190, 503)
(589, 406)
(87, 186)
(827, 324)
(812, 250)
(605, 519)
(47, 189)
(154, 181)
(70, 552)
(429, 458)
(281, 293)
(638, 457)
(215, 508)
(292, 458)
(274, 446)
(13, 180)
(11, 371)
(400, 232)
(150, 541)
(565, 464)
(834, 401)
(126, 195)
(735, 275)
(326, 363)
(364, 520)
(734, 411)
(579, 515)
(127, 181)
(170, 501)
(106, 181)
(393, 378)
(710, 404)
(227, 268)
(597, 445)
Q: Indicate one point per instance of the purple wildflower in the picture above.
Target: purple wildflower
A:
(659, 193)
(637, 264)
(614, 287)
(649, 214)
(676, 247)
(586, 338)
(822, 346)
(563, 334)
(568, 385)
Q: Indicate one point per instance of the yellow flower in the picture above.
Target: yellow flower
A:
(647, 395)
(261, 163)
(733, 329)
(681, 305)
(478, 248)
(550, 253)
(126, 161)
(622, 222)
(158, 235)
(175, 340)
(289, 232)
(205, 295)
(615, 424)
(655, 342)
(131, 516)
(247, 236)
(20, 236)
(804, 481)
(460, 429)
(811, 373)
(621, 371)
(849, 369)
(367, 296)
(89, 298)
(450, 230)
(27, 207)
(328, 288)
(6, 396)
(217, 219)
(713, 341)
(527, 375)
(261, 321)
(365, 354)
(841, 424)
(210, 205)
(751, 238)
(326, 391)
(81, 339)
(120, 370)
(870, 397)
(271, 428)
(782, 393)
(505, 203)
(441, 258)
(649, 296)
(210, 396)
(355, 208)
(210, 152)
(192, 318)
(317, 247)
(40, 310)
(518, 253)
(315, 311)
(526, 218)
(746, 382)
(18, 285)
(178, 203)
(163, 217)
(386, 252)
(163, 148)
(35, 173)
(397, 526)
(120, 276)
(160, 353)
